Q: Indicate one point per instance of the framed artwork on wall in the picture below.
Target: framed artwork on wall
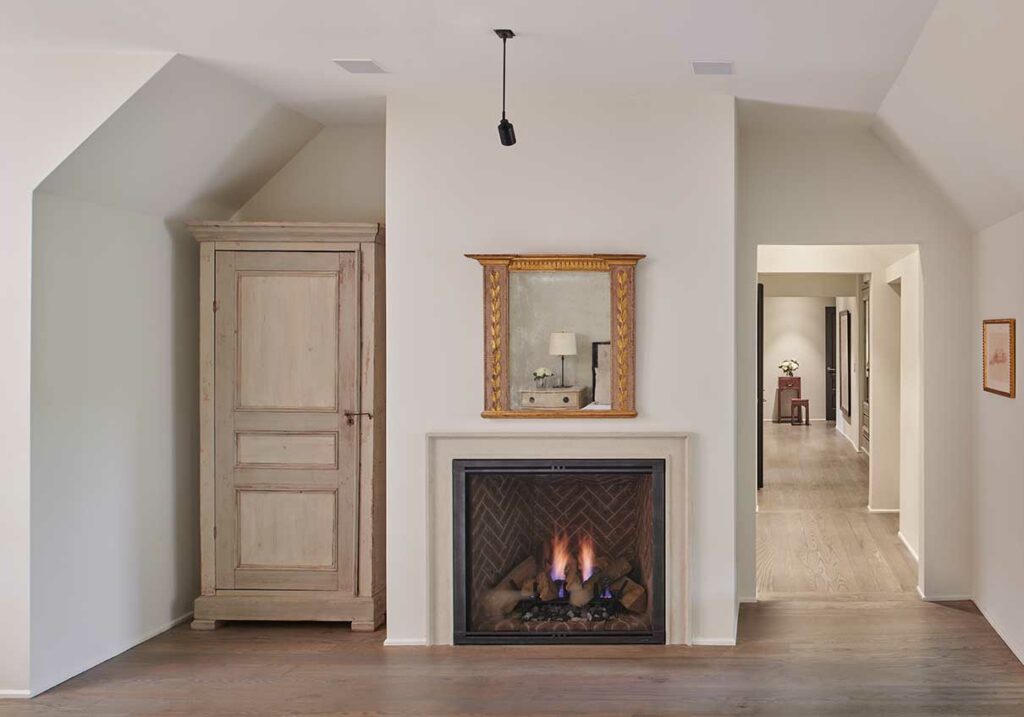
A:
(844, 362)
(998, 367)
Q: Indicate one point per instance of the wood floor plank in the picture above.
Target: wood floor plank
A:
(800, 656)
(816, 485)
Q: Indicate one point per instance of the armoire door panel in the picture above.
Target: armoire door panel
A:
(287, 529)
(287, 345)
(283, 449)
(285, 580)
(286, 352)
(286, 421)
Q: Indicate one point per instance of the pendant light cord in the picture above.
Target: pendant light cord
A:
(504, 44)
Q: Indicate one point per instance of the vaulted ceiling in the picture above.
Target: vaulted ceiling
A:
(838, 54)
(957, 107)
(943, 77)
(192, 143)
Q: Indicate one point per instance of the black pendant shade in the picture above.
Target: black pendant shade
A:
(506, 132)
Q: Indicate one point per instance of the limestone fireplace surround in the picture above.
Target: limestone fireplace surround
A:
(443, 448)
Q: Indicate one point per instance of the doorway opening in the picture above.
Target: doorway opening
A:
(838, 514)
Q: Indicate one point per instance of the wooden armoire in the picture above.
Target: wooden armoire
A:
(291, 414)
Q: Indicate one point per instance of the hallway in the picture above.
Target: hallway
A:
(815, 536)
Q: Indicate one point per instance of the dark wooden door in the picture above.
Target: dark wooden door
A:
(760, 386)
(830, 363)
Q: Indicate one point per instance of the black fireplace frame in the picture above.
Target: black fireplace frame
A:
(462, 468)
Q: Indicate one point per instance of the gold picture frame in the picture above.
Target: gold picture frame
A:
(998, 357)
(621, 270)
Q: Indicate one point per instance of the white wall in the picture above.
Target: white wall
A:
(37, 130)
(337, 177)
(114, 432)
(998, 433)
(794, 328)
(905, 278)
(114, 354)
(810, 177)
(821, 285)
(590, 174)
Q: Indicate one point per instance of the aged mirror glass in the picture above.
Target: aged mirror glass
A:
(556, 322)
(559, 335)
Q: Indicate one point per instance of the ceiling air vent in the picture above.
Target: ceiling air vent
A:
(704, 67)
(360, 67)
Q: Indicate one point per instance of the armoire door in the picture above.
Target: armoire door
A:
(286, 455)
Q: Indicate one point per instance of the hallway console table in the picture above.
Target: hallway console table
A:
(788, 388)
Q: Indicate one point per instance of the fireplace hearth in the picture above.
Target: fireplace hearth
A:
(559, 551)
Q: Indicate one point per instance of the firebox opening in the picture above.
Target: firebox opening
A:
(559, 551)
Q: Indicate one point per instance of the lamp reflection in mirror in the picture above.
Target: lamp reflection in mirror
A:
(562, 343)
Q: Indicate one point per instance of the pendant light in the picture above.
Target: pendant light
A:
(506, 132)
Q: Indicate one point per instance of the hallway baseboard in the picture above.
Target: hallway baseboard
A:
(848, 438)
(14, 694)
(899, 534)
(945, 598)
(1016, 648)
(883, 510)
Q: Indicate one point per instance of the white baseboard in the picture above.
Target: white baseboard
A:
(14, 694)
(850, 440)
(1016, 648)
(899, 534)
(405, 642)
(747, 599)
(714, 641)
(883, 510)
(943, 598)
(99, 659)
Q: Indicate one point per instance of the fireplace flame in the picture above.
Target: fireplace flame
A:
(559, 555)
(587, 559)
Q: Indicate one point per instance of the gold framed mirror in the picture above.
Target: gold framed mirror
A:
(559, 335)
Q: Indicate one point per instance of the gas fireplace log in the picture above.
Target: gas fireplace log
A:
(580, 593)
(546, 589)
(503, 598)
(500, 601)
(632, 596)
(522, 574)
(572, 571)
(616, 569)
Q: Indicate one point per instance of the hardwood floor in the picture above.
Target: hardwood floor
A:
(801, 653)
(794, 658)
(815, 536)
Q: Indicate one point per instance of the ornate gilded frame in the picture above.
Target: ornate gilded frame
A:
(621, 270)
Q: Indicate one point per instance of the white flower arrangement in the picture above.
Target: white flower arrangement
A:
(789, 366)
(539, 374)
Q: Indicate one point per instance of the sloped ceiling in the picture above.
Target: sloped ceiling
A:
(839, 54)
(957, 107)
(192, 143)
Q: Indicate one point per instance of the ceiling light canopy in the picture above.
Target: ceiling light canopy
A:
(506, 132)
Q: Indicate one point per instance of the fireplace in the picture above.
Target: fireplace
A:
(559, 551)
